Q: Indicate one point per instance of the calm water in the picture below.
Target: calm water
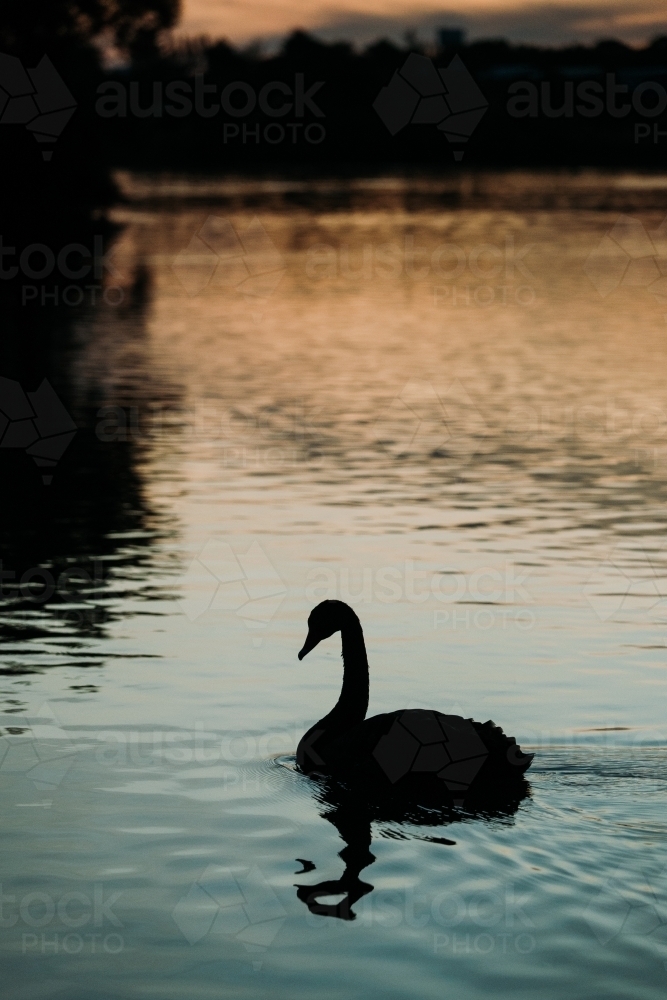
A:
(437, 416)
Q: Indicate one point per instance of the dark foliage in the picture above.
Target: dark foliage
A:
(155, 132)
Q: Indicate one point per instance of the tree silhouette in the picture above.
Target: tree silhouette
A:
(30, 27)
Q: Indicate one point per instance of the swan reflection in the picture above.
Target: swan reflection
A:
(352, 813)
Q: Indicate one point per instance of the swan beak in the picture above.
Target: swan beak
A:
(310, 643)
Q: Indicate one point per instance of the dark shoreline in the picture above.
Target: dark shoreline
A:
(537, 190)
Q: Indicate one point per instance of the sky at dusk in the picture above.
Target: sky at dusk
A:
(362, 21)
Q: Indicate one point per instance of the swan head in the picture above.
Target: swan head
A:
(327, 618)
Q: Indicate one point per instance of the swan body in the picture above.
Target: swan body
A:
(405, 751)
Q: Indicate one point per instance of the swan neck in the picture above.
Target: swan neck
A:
(354, 692)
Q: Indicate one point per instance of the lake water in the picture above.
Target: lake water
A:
(456, 420)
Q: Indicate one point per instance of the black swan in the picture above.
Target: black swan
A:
(413, 752)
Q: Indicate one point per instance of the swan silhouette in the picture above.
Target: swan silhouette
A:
(417, 754)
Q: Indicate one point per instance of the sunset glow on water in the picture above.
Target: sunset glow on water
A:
(456, 421)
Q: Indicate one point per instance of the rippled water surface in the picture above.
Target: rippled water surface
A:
(454, 420)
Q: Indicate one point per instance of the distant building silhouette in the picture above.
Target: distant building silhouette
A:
(451, 37)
